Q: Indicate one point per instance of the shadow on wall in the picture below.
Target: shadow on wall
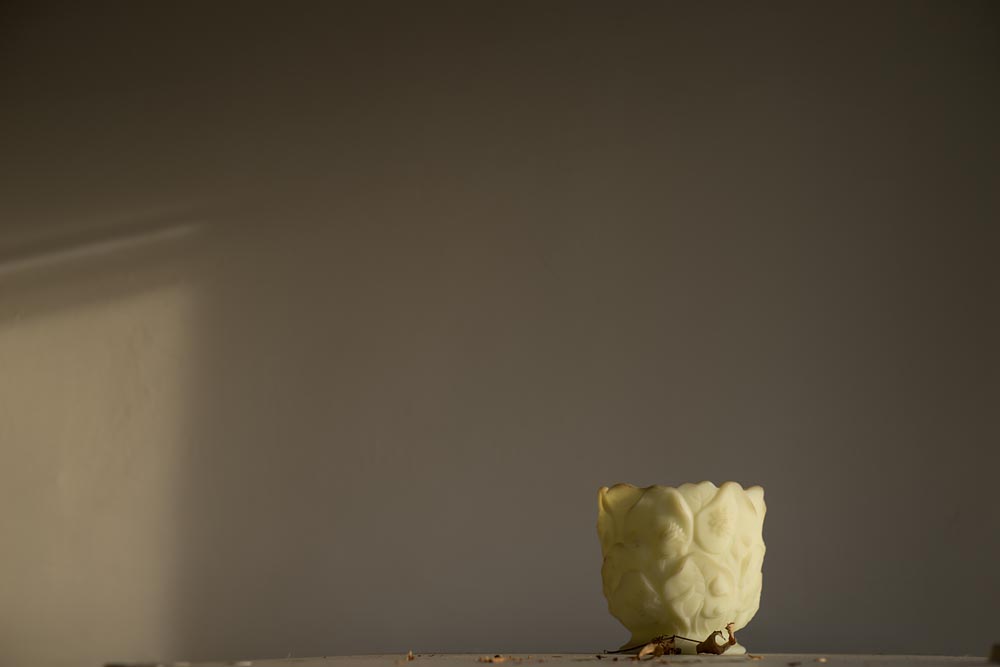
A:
(52, 266)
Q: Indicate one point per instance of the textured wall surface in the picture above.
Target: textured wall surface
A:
(321, 325)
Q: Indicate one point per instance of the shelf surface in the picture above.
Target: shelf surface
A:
(574, 660)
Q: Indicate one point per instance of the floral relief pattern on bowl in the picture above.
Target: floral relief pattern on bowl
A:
(682, 561)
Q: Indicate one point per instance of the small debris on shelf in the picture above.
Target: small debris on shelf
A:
(755, 657)
(820, 659)
(499, 658)
(409, 656)
(599, 656)
(794, 663)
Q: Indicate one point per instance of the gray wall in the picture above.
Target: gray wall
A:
(321, 324)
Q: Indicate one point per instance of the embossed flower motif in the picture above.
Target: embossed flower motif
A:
(682, 561)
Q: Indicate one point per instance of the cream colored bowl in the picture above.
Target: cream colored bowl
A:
(682, 561)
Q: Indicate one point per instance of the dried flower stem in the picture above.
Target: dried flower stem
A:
(654, 640)
(657, 646)
(710, 645)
